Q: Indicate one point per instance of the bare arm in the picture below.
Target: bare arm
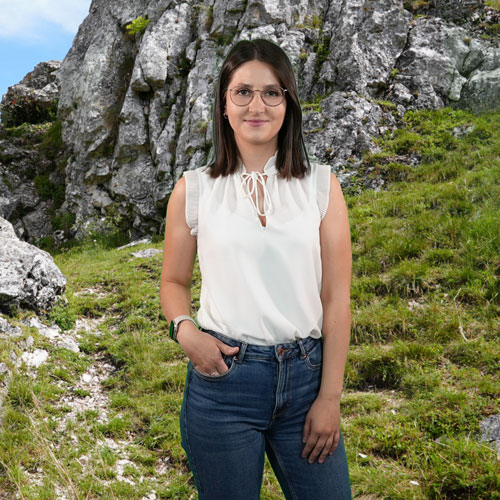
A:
(322, 427)
(179, 253)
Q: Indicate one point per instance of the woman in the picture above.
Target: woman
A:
(272, 235)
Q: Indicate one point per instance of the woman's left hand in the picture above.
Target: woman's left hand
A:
(321, 429)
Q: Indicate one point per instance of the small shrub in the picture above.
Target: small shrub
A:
(52, 142)
(138, 25)
(63, 316)
(374, 367)
(63, 221)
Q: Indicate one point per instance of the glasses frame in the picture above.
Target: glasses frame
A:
(253, 96)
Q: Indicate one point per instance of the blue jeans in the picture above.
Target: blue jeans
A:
(258, 406)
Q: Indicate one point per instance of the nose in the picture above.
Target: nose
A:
(257, 104)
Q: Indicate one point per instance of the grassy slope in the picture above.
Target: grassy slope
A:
(423, 366)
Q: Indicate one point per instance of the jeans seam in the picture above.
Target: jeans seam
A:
(190, 457)
(285, 475)
(278, 390)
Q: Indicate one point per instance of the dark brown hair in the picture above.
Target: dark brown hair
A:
(292, 159)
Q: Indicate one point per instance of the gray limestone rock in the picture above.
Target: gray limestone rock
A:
(366, 41)
(28, 275)
(490, 432)
(334, 134)
(34, 98)
(36, 358)
(441, 65)
(6, 329)
(481, 91)
(457, 11)
(160, 49)
(137, 110)
(147, 253)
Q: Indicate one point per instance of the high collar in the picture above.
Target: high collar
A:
(269, 167)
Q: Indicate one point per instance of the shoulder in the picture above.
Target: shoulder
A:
(189, 181)
(323, 172)
(200, 175)
(203, 170)
(328, 189)
(319, 171)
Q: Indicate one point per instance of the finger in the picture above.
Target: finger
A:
(310, 444)
(204, 371)
(320, 444)
(227, 349)
(335, 443)
(221, 366)
(325, 450)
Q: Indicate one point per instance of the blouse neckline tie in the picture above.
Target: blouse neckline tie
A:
(248, 190)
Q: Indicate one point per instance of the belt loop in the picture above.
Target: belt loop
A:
(302, 349)
(241, 353)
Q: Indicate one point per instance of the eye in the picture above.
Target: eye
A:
(243, 91)
(272, 92)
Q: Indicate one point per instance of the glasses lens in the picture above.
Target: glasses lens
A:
(241, 96)
(272, 96)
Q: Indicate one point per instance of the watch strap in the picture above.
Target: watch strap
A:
(174, 325)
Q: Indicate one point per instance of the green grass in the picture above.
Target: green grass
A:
(422, 371)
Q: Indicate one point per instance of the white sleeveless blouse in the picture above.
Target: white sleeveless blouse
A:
(260, 284)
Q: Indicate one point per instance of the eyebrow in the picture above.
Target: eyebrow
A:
(248, 85)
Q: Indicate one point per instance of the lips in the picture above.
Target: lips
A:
(255, 122)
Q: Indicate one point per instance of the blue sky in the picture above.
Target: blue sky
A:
(33, 31)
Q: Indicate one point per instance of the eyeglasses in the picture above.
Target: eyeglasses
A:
(272, 96)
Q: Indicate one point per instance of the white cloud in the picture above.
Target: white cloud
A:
(27, 19)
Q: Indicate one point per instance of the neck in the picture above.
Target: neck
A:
(255, 157)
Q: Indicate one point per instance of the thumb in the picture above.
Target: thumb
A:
(227, 349)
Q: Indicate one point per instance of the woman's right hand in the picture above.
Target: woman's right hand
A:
(204, 351)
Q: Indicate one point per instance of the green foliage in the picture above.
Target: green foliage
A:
(32, 133)
(210, 18)
(224, 38)
(495, 4)
(63, 315)
(63, 221)
(48, 190)
(314, 105)
(19, 109)
(415, 5)
(310, 22)
(322, 50)
(138, 25)
(52, 143)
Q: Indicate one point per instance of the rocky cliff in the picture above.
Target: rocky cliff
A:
(136, 109)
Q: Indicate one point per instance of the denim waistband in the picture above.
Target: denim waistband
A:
(300, 347)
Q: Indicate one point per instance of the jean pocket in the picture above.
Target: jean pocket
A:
(314, 357)
(230, 363)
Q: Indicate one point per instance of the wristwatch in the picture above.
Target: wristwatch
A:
(174, 325)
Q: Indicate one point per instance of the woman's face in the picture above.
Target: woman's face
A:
(255, 75)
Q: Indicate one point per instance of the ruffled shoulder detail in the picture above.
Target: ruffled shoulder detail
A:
(192, 199)
(323, 187)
